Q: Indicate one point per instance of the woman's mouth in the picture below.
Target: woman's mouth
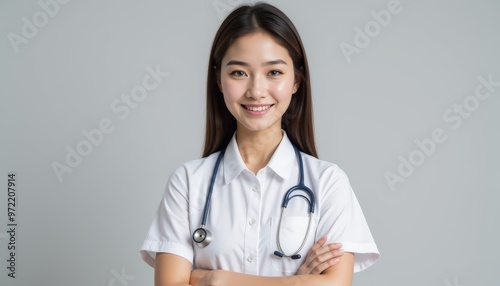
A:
(257, 108)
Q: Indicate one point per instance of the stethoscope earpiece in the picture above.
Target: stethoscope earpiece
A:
(202, 237)
(295, 256)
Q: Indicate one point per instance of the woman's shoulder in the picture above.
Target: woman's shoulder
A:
(319, 163)
(323, 168)
(196, 166)
(191, 172)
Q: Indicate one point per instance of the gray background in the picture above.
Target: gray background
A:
(435, 228)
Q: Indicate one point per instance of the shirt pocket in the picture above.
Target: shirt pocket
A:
(292, 232)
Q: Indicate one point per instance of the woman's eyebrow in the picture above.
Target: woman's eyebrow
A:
(275, 62)
(269, 63)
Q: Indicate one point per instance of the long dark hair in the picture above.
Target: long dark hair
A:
(298, 119)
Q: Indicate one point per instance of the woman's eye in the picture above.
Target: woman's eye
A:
(238, 73)
(275, 72)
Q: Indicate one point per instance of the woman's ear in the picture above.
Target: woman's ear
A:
(217, 75)
(219, 85)
(296, 86)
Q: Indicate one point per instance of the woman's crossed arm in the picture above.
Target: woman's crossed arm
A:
(317, 269)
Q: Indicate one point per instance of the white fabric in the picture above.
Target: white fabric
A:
(245, 210)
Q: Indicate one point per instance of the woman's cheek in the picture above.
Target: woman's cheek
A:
(234, 88)
(282, 89)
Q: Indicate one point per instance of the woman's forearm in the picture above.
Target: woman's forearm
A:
(226, 278)
(338, 275)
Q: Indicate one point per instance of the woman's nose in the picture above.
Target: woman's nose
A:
(256, 87)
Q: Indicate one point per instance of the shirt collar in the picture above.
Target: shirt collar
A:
(281, 162)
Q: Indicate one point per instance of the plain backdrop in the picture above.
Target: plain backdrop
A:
(435, 221)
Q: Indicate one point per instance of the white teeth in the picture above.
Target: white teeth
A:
(260, 108)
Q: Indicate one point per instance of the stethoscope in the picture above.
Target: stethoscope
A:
(202, 237)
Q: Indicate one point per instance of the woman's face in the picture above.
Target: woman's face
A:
(257, 80)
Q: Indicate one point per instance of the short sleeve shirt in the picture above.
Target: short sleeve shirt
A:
(245, 210)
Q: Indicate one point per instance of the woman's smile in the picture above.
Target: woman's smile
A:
(257, 109)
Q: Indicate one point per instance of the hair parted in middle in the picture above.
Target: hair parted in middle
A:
(298, 119)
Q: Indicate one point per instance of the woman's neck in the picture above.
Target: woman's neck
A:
(257, 147)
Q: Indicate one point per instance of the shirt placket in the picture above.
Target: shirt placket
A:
(252, 227)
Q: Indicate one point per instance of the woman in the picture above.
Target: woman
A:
(259, 112)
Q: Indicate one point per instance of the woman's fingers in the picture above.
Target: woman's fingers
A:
(320, 257)
(310, 255)
(325, 257)
(323, 261)
(320, 253)
(318, 243)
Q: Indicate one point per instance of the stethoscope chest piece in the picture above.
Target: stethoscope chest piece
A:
(202, 237)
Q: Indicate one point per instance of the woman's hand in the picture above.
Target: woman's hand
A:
(320, 257)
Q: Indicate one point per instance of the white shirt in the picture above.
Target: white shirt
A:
(245, 210)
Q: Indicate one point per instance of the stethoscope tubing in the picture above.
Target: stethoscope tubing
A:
(210, 189)
(301, 186)
(294, 255)
(203, 237)
(288, 196)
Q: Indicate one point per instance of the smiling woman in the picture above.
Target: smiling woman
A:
(257, 82)
(259, 159)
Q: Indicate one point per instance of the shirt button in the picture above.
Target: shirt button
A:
(251, 222)
(255, 189)
(250, 259)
